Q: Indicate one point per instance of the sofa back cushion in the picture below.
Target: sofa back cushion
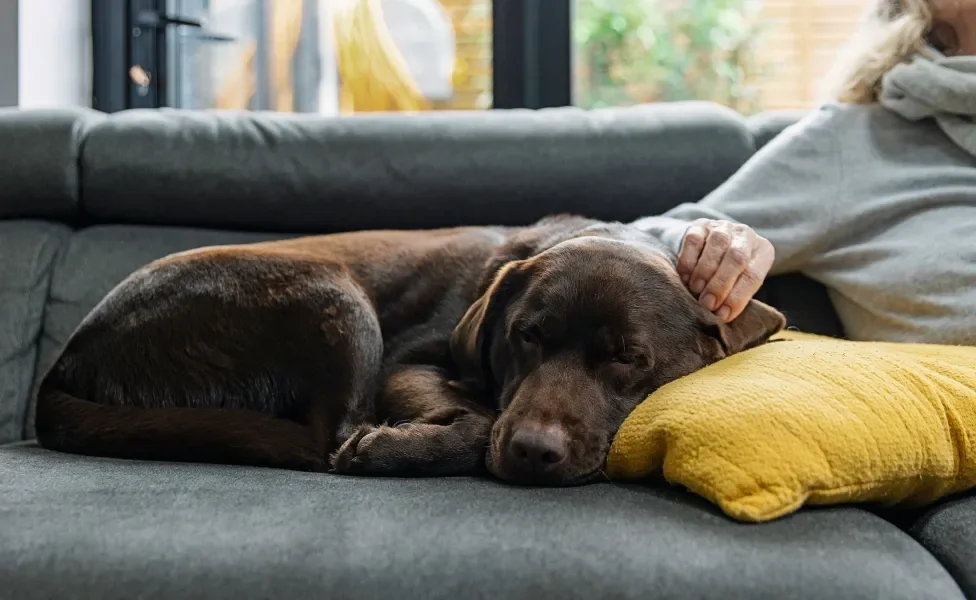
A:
(291, 173)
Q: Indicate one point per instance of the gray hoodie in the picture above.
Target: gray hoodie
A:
(877, 202)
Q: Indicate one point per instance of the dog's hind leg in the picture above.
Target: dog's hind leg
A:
(276, 374)
(434, 427)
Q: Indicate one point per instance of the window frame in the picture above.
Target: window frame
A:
(532, 62)
(531, 54)
(118, 42)
(109, 55)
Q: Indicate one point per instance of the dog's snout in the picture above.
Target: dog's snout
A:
(538, 448)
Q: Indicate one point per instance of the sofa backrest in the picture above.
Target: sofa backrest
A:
(86, 198)
(299, 173)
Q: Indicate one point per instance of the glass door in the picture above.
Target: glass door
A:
(329, 56)
(218, 54)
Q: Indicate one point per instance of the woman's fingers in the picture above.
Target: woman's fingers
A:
(734, 263)
(725, 264)
(717, 242)
(691, 248)
(748, 283)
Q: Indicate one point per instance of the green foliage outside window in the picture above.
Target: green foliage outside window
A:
(634, 51)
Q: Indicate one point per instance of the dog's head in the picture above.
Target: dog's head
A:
(572, 338)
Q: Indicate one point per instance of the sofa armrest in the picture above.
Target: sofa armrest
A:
(39, 161)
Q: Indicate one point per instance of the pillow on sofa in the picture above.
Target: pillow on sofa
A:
(811, 420)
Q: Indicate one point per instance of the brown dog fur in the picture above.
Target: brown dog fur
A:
(387, 352)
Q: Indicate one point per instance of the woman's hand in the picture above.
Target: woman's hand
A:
(725, 264)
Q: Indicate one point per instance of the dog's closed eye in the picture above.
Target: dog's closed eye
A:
(631, 360)
(624, 359)
(529, 335)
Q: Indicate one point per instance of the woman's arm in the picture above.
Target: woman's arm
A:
(788, 193)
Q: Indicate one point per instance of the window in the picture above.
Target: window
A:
(318, 56)
(800, 40)
(332, 56)
(748, 54)
(354, 56)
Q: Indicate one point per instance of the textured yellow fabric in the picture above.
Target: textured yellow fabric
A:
(811, 420)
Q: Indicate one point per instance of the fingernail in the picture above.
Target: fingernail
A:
(724, 312)
(708, 301)
(698, 285)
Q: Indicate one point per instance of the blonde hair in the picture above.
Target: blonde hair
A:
(891, 33)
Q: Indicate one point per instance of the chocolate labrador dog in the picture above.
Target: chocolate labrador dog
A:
(388, 353)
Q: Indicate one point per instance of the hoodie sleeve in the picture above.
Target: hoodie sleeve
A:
(787, 192)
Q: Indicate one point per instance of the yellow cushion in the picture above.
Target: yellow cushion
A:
(811, 420)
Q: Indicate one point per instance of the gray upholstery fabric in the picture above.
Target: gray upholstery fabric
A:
(297, 173)
(27, 251)
(39, 161)
(949, 532)
(95, 260)
(805, 303)
(77, 527)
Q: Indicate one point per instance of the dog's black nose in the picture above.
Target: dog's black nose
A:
(538, 449)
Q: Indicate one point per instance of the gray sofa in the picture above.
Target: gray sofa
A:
(86, 198)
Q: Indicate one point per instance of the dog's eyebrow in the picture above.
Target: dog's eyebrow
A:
(537, 323)
(521, 323)
(525, 323)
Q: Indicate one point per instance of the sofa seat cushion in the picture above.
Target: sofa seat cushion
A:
(949, 532)
(101, 528)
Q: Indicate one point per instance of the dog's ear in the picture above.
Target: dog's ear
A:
(500, 279)
(752, 328)
(470, 341)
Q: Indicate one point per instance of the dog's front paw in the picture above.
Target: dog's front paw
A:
(369, 449)
(347, 459)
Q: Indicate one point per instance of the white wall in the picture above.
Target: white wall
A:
(54, 53)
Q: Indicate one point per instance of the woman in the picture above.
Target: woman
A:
(874, 195)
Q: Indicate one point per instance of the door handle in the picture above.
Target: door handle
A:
(151, 18)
